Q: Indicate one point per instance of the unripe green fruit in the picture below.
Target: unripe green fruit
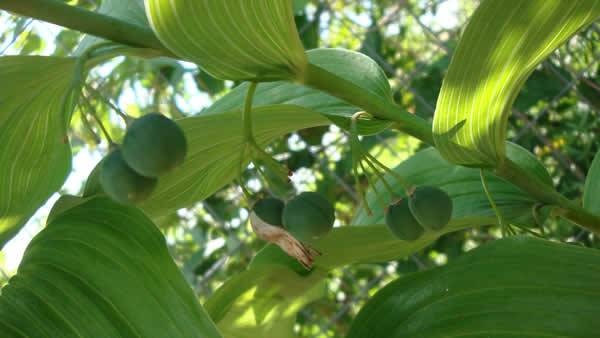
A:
(92, 184)
(154, 145)
(402, 223)
(431, 206)
(270, 211)
(308, 216)
(123, 184)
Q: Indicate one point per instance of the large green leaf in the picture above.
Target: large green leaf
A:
(267, 283)
(100, 269)
(234, 39)
(471, 206)
(335, 109)
(266, 297)
(35, 157)
(214, 151)
(502, 44)
(515, 287)
(591, 192)
(356, 68)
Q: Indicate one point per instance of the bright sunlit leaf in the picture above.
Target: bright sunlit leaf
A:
(35, 156)
(501, 46)
(234, 39)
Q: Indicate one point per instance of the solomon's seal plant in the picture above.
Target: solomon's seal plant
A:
(103, 269)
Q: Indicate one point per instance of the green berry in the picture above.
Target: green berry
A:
(92, 184)
(308, 216)
(123, 184)
(402, 223)
(154, 145)
(431, 206)
(270, 210)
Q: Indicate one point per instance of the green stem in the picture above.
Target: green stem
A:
(104, 26)
(92, 112)
(328, 82)
(546, 194)
(88, 127)
(247, 124)
(245, 192)
(404, 183)
(126, 118)
(247, 113)
(486, 190)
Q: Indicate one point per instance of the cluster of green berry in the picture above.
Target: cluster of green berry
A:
(153, 145)
(424, 208)
(307, 216)
(427, 208)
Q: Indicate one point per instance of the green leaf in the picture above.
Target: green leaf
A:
(35, 156)
(471, 206)
(515, 287)
(354, 67)
(268, 295)
(269, 299)
(356, 78)
(232, 306)
(336, 110)
(499, 49)
(100, 269)
(591, 191)
(214, 150)
(234, 39)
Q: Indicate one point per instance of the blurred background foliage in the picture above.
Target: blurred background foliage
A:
(555, 117)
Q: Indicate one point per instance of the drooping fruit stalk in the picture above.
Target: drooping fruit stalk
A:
(266, 166)
(505, 228)
(267, 217)
(368, 163)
